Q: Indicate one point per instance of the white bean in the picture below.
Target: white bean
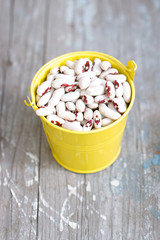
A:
(60, 109)
(110, 90)
(44, 111)
(50, 77)
(93, 105)
(80, 106)
(57, 94)
(63, 68)
(79, 116)
(107, 112)
(95, 91)
(97, 119)
(44, 87)
(54, 70)
(69, 116)
(120, 104)
(88, 114)
(70, 64)
(62, 113)
(65, 77)
(96, 66)
(75, 126)
(71, 106)
(84, 82)
(68, 97)
(105, 65)
(120, 77)
(44, 99)
(106, 121)
(126, 92)
(96, 82)
(109, 71)
(90, 74)
(88, 126)
(55, 119)
(69, 72)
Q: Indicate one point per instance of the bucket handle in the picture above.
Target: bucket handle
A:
(29, 103)
(131, 68)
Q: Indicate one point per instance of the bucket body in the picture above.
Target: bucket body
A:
(85, 152)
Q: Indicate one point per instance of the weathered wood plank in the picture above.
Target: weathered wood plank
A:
(20, 148)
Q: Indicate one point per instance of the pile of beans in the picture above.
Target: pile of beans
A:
(82, 95)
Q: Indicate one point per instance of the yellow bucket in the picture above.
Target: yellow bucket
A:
(84, 152)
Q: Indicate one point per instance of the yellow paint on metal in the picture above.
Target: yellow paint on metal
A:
(85, 152)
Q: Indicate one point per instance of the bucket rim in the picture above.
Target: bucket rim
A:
(79, 54)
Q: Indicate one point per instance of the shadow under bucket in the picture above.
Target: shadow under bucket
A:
(85, 152)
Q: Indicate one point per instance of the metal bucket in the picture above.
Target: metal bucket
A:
(85, 152)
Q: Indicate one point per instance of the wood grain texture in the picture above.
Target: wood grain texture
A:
(38, 198)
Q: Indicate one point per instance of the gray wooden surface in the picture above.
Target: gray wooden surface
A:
(38, 198)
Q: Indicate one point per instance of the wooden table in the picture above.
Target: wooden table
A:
(39, 199)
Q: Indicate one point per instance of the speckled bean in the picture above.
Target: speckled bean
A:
(55, 119)
(109, 71)
(71, 88)
(110, 90)
(101, 99)
(97, 119)
(111, 106)
(120, 104)
(44, 87)
(118, 88)
(86, 98)
(88, 126)
(62, 82)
